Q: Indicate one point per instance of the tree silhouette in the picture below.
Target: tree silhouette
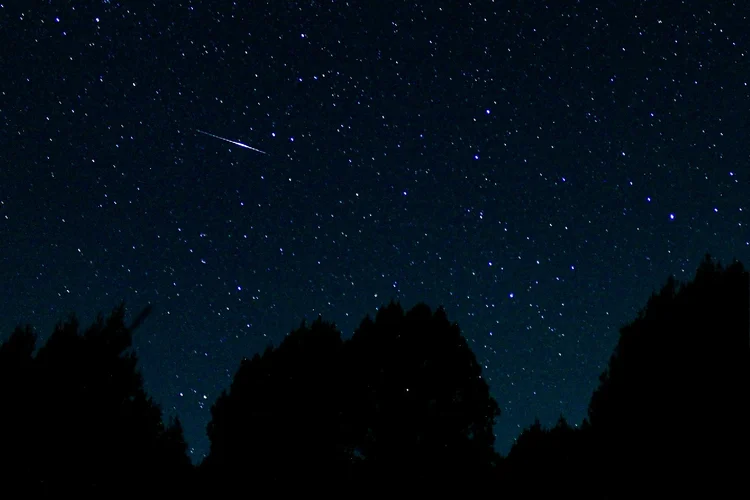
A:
(76, 417)
(16, 380)
(401, 401)
(550, 461)
(421, 412)
(671, 408)
(280, 419)
(401, 405)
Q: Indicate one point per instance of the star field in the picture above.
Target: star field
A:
(537, 168)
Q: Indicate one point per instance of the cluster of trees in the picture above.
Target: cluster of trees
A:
(402, 399)
(74, 416)
(670, 414)
(401, 403)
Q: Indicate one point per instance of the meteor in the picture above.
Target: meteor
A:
(231, 141)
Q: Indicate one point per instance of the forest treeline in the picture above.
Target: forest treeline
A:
(400, 406)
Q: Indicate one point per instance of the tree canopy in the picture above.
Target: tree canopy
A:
(678, 376)
(402, 400)
(76, 416)
(281, 416)
(400, 404)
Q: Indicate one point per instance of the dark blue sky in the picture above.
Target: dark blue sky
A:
(537, 168)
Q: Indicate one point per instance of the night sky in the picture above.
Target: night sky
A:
(537, 168)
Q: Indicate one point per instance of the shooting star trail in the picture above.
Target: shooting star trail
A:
(229, 140)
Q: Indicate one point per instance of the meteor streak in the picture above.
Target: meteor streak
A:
(231, 141)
